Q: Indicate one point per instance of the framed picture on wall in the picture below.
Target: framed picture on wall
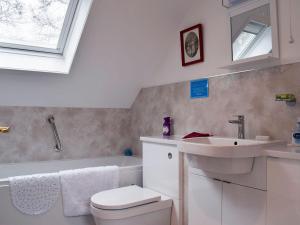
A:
(192, 45)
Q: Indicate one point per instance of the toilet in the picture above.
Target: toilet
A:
(131, 205)
(158, 202)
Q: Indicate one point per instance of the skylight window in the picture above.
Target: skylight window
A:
(36, 25)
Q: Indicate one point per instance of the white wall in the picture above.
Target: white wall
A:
(216, 39)
(123, 42)
(131, 44)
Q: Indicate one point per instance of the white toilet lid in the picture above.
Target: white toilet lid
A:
(123, 198)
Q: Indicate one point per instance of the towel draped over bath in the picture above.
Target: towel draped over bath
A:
(34, 194)
(79, 185)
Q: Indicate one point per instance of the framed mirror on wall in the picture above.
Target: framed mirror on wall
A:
(254, 31)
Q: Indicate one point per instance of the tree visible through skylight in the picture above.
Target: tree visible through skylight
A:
(37, 23)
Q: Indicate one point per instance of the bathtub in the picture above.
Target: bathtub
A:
(130, 173)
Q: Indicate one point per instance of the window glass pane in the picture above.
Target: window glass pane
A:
(36, 23)
(242, 43)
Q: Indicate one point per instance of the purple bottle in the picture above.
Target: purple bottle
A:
(167, 127)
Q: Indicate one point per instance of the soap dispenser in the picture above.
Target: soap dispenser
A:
(296, 133)
(167, 126)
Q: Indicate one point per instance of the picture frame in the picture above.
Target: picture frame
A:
(192, 51)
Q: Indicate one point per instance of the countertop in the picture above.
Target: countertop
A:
(172, 140)
(288, 152)
(285, 153)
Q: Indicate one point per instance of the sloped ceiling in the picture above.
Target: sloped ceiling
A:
(124, 42)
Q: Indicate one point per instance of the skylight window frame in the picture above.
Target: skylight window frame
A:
(70, 14)
(48, 63)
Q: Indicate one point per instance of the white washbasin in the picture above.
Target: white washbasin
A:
(225, 155)
(226, 147)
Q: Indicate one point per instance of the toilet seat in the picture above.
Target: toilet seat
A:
(123, 198)
(127, 202)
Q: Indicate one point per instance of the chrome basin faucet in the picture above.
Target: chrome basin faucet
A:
(241, 125)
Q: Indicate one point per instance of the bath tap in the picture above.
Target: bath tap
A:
(241, 125)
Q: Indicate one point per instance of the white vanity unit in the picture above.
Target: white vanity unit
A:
(218, 194)
(216, 199)
(283, 201)
(221, 189)
(165, 174)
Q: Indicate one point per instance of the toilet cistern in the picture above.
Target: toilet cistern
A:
(241, 125)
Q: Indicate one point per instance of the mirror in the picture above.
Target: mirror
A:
(251, 32)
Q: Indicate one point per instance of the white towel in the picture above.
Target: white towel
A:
(78, 186)
(34, 194)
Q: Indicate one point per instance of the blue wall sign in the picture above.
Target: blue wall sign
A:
(199, 88)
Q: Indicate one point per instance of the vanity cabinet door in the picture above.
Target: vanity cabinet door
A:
(161, 169)
(204, 201)
(243, 206)
(283, 192)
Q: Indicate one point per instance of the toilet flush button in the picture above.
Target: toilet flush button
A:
(170, 156)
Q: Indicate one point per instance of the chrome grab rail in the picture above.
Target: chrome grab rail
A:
(58, 145)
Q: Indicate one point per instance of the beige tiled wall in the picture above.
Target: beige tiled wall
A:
(85, 133)
(88, 133)
(251, 94)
